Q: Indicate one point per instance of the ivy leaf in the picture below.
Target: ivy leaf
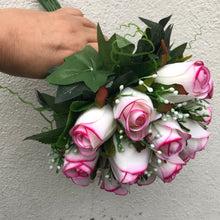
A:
(69, 92)
(86, 66)
(52, 69)
(49, 137)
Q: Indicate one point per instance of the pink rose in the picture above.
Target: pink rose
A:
(167, 169)
(93, 128)
(193, 76)
(197, 142)
(208, 112)
(79, 168)
(112, 185)
(167, 137)
(134, 112)
(127, 166)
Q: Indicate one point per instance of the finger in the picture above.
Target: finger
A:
(90, 34)
(87, 23)
(94, 45)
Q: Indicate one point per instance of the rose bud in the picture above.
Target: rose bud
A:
(79, 168)
(169, 169)
(134, 111)
(127, 165)
(92, 129)
(166, 170)
(167, 137)
(193, 76)
(208, 111)
(197, 142)
(112, 185)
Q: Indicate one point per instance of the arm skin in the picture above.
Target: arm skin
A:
(33, 41)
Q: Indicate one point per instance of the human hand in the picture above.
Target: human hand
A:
(33, 41)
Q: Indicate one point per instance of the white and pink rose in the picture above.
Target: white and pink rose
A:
(92, 129)
(167, 137)
(193, 76)
(168, 170)
(79, 167)
(134, 111)
(112, 185)
(127, 166)
(197, 142)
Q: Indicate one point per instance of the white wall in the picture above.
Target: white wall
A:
(29, 190)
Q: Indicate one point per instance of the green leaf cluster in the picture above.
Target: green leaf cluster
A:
(156, 32)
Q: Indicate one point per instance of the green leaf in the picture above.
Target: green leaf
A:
(86, 66)
(166, 39)
(52, 69)
(50, 5)
(49, 137)
(122, 50)
(60, 119)
(164, 21)
(62, 140)
(155, 33)
(145, 68)
(48, 102)
(122, 79)
(105, 48)
(177, 53)
(79, 106)
(167, 36)
(69, 92)
(109, 149)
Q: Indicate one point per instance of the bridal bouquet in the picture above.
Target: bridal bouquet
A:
(128, 113)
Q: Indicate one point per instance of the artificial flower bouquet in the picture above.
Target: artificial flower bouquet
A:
(127, 113)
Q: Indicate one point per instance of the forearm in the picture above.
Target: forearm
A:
(15, 50)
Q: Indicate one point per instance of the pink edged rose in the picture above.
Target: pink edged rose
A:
(197, 142)
(167, 169)
(92, 129)
(112, 185)
(127, 166)
(167, 137)
(79, 167)
(134, 112)
(193, 76)
(208, 111)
